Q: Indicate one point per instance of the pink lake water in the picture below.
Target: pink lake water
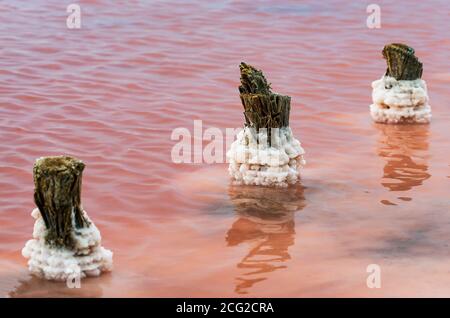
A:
(112, 92)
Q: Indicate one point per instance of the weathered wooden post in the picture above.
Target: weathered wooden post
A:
(400, 96)
(57, 194)
(265, 152)
(63, 229)
(401, 62)
(262, 108)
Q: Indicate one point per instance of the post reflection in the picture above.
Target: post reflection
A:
(34, 287)
(405, 150)
(266, 224)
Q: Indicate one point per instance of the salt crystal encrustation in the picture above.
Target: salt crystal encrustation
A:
(400, 96)
(66, 244)
(265, 152)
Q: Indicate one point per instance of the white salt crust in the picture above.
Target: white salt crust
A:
(88, 258)
(254, 163)
(400, 101)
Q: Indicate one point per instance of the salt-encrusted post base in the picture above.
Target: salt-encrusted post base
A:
(265, 152)
(400, 101)
(66, 244)
(86, 258)
(254, 162)
(400, 96)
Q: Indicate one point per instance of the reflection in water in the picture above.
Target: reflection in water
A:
(405, 149)
(266, 223)
(33, 287)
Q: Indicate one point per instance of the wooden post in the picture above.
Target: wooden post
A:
(57, 194)
(262, 107)
(401, 62)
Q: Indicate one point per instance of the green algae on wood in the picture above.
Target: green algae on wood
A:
(262, 108)
(401, 61)
(57, 194)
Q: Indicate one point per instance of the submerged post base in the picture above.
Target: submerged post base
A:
(254, 162)
(400, 101)
(86, 258)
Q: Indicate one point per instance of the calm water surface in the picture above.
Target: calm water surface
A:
(112, 92)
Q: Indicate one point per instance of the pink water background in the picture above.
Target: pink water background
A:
(112, 92)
